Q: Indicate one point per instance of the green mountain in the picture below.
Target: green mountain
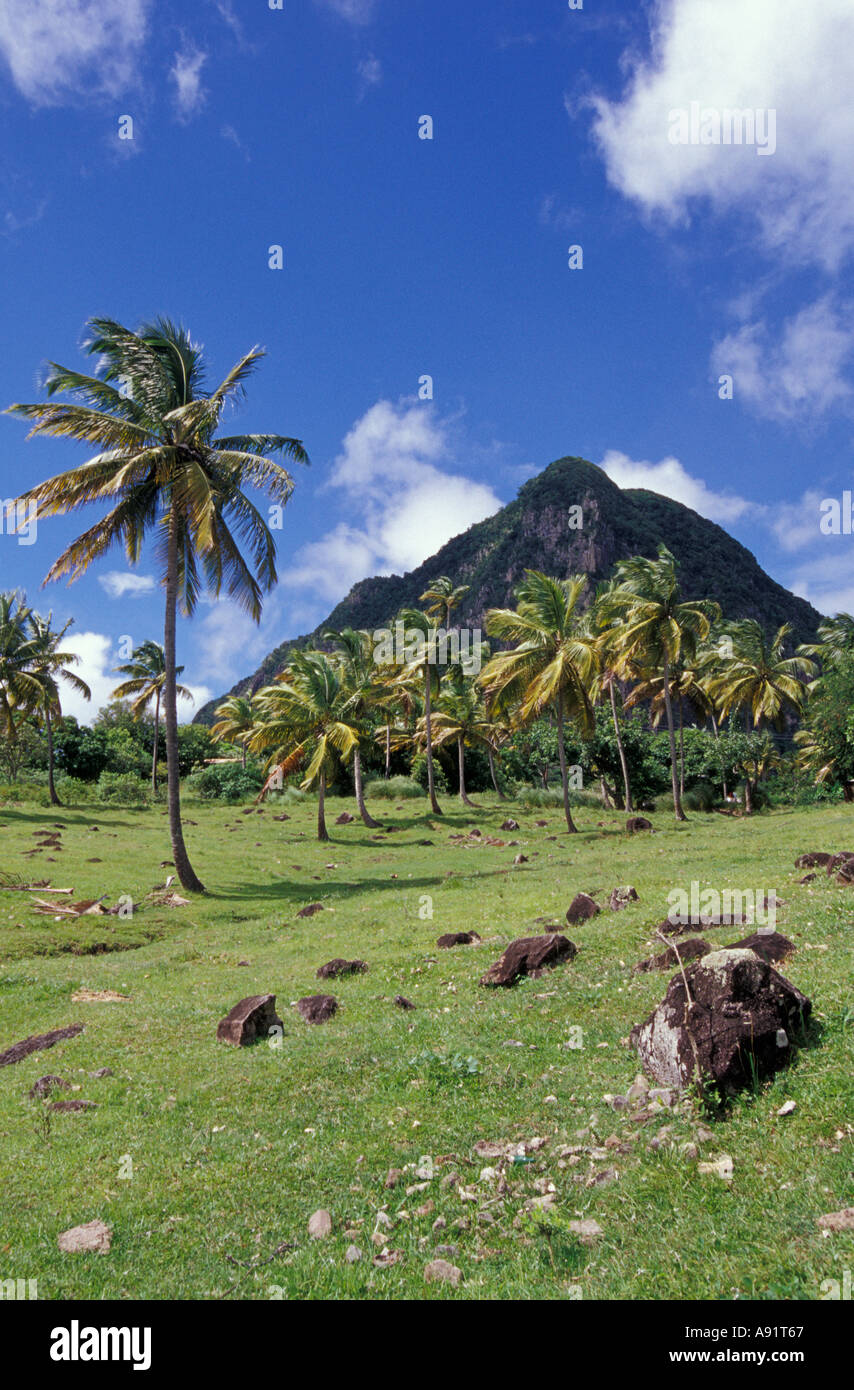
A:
(534, 533)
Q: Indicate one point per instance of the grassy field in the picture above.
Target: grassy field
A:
(233, 1149)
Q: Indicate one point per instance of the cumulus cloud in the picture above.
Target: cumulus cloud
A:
(126, 584)
(98, 659)
(356, 11)
(60, 48)
(186, 73)
(402, 505)
(670, 478)
(793, 58)
(802, 375)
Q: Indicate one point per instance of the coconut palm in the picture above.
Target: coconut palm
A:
(147, 671)
(18, 690)
(306, 715)
(612, 669)
(49, 666)
(356, 651)
(553, 664)
(163, 467)
(424, 668)
(461, 718)
(657, 630)
(235, 722)
(758, 678)
(835, 641)
(442, 597)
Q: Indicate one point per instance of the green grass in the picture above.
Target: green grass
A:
(233, 1149)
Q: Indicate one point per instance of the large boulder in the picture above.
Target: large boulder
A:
(249, 1020)
(335, 968)
(735, 1021)
(771, 946)
(318, 1008)
(530, 955)
(815, 859)
(636, 823)
(457, 938)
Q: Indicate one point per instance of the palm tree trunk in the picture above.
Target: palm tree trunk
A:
(620, 749)
(54, 799)
(674, 780)
(387, 751)
(183, 867)
(461, 760)
(428, 729)
(322, 832)
(564, 778)
(491, 757)
(748, 797)
(244, 757)
(718, 746)
(156, 742)
(681, 750)
(360, 794)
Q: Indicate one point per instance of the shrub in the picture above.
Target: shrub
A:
(123, 789)
(395, 789)
(701, 797)
(419, 774)
(226, 782)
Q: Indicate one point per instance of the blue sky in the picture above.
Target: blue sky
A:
(404, 257)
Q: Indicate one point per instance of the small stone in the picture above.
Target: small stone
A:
(46, 1084)
(721, 1168)
(439, 1224)
(581, 909)
(317, 1008)
(251, 1019)
(352, 1254)
(586, 1230)
(440, 1271)
(403, 1003)
(788, 1108)
(320, 1225)
(93, 1238)
(838, 1220)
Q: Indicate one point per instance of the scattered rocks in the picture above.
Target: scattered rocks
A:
(333, 969)
(581, 909)
(813, 860)
(320, 1225)
(837, 862)
(441, 1272)
(310, 910)
(403, 1003)
(317, 1008)
(46, 1084)
(458, 938)
(621, 897)
(38, 1043)
(249, 1020)
(70, 1106)
(636, 823)
(691, 949)
(528, 956)
(735, 1022)
(94, 1238)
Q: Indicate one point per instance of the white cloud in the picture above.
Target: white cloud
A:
(403, 507)
(670, 478)
(126, 584)
(370, 71)
(803, 375)
(186, 73)
(97, 658)
(792, 57)
(356, 11)
(58, 48)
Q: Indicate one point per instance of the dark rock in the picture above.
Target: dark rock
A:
(688, 950)
(344, 819)
(636, 823)
(771, 946)
(333, 968)
(816, 859)
(735, 1023)
(37, 1043)
(102, 1071)
(457, 938)
(249, 1020)
(69, 1106)
(403, 1003)
(844, 872)
(521, 859)
(621, 897)
(672, 926)
(46, 1084)
(510, 824)
(808, 878)
(318, 1008)
(581, 909)
(310, 910)
(528, 956)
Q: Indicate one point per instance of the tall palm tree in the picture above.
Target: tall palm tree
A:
(18, 690)
(442, 597)
(49, 666)
(612, 668)
(461, 718)
(147, 670)
(428, 673)
(356, 655)
(235, 722)
(306, 714)
(758, 678)
(554, 663)
(162, 466)
(835, 640)
(658, 630)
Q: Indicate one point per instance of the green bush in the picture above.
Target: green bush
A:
(226, 782)
(123, 789)
(701, 797)
(395, 789)
(419, 774)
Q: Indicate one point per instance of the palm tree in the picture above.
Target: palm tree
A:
(147, 669)
(162, 466)
(758, 679)
(612, 669)
(18, 690)
(461, 718)
(50, 665)
(306, 714)
(422, 666)
(553, 664)
(658, 630)
(236, 721)
(442, 597)
(356, 654)
(835, 641)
